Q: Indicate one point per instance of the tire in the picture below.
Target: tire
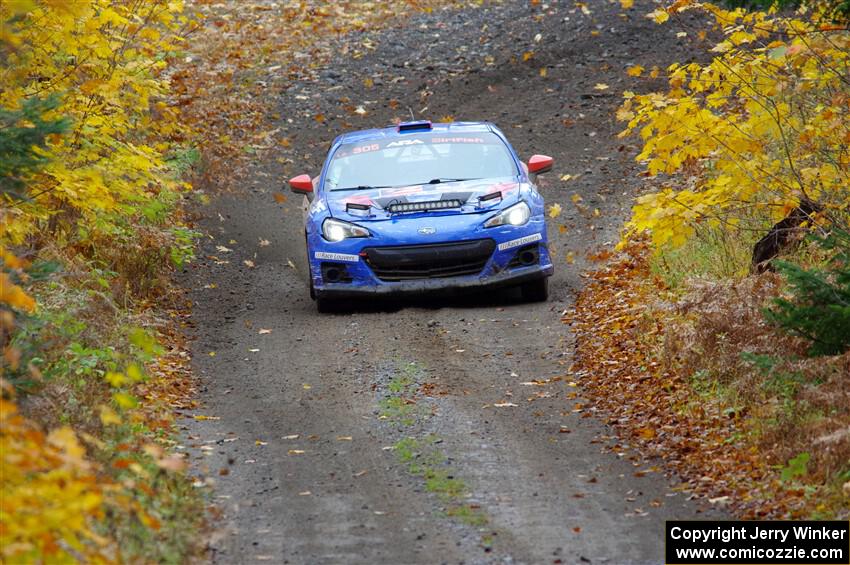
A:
(536, 290)
(326, 305)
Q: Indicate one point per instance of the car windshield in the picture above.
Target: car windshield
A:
(420, 158)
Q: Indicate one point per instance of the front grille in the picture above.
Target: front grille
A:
(438, 260)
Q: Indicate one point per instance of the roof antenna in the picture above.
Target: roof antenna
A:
(412, 117)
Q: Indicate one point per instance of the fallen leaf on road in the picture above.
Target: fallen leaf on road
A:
(174, 463)
(504, 405)
(254, 350)
(344, 438)
(295, 451)
(264, 331)
(600, 86)
(264, 242)
(554, 210)
(201, 417)
(222, 249)
(249, 263)
(258, 442)
(305, 493)
(291, 436)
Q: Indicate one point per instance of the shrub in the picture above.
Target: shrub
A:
(819, 307)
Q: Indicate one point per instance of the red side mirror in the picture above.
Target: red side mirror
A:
(539, 164)
(302, 184)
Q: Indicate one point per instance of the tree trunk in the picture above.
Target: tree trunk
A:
(768, 247)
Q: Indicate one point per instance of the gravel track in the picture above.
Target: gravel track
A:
(541, 472)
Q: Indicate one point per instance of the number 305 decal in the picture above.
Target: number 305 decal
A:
(365, 148)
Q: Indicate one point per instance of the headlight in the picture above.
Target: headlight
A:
(516, 215)
(336, 230)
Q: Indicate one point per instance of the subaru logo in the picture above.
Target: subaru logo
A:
(427, 231)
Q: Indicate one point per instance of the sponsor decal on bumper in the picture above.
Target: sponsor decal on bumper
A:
(521, 241)
(336, 256)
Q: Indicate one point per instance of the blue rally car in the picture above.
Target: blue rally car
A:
(419, 207)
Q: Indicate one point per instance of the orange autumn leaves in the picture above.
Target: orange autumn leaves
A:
(49, 495)
(621, 321)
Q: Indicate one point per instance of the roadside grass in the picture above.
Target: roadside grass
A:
(736, 406)
(93, 241)
(101, 357)
(711, 253)
(422, 456)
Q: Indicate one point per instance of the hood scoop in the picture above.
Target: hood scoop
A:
(489, 199)
(358, 209)
(427, 206)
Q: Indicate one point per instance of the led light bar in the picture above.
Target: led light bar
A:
(401, 207)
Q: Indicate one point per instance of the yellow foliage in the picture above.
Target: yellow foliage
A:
(751, 134)
(50, 495)
(103, 58)
(104, 63)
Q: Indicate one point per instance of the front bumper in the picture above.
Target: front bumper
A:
(449, 284)
(494, 253)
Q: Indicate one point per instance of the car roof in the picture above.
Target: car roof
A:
(393, 130)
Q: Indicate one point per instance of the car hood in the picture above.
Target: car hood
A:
(371, 205)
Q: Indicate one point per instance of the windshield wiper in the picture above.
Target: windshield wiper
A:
(444, 179)
(361, 187)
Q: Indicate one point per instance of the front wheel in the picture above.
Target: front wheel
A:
(326, 305)
(536, 290)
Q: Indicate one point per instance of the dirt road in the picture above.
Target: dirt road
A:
(427, 431)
